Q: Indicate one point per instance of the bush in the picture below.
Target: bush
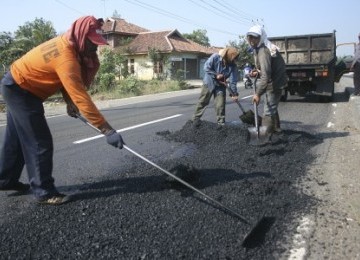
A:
(107, 82)
(129, 86)
(132, 86)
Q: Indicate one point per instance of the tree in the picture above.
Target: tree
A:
(159, 61)
(111, 67)
(198, 36)
(244, 49)
(31, 34)
(6, 56)
(116, 14)
(26, 37)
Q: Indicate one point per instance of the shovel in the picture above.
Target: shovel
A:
(253, 238)
(247, 117)
(257, 135)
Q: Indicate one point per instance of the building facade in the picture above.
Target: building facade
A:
(162, 54)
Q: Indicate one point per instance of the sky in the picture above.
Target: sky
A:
(224, 20)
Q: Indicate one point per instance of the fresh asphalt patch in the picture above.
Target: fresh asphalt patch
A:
(140, 213)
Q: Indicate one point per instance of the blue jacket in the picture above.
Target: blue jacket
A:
(213, 66)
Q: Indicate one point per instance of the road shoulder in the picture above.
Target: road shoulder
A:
(334, 180)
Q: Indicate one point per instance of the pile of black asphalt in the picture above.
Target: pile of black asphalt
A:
(155, 217)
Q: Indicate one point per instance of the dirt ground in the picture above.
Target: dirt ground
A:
(334, 179)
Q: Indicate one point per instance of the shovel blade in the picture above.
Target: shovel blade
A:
(248, 117)
(258, 136)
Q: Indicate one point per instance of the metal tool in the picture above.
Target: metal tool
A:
(257, 135)
(247, 117)
(253, 237)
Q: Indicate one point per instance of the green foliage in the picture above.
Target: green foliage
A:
(107, 61)
(112, 62)
(129, 86)
(159, 86)
(31, 34)
(154, 55)
(199, 36)
(242, 45)
(6, 56)
(160, 62)
(178, 76)
(106, 82)
(28, 36)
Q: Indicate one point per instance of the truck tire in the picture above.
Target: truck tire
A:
(328, 99)
(325, 99)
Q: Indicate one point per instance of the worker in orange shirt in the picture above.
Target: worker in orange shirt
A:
(67, 63)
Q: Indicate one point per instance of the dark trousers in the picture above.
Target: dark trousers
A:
(27, 141)
(357, 78)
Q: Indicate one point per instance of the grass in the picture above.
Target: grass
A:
(129, 88)
(124, 89)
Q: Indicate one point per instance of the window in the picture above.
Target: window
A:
(132, 66)
(158, 67)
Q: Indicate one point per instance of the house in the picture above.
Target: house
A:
(175, 56)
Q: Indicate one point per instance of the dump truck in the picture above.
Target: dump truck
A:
(311, 64)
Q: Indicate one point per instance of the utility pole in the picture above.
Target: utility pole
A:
(104, 14)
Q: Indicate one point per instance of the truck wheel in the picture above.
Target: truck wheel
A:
(284, 95)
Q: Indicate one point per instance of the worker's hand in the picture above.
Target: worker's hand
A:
(256, 99)
(72, 110)
(220, 77)
(235, 97)
(113, 138)
(254, 73)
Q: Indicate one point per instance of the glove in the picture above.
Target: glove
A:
(115, 139)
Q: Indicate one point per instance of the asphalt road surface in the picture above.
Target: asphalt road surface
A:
(124, 208)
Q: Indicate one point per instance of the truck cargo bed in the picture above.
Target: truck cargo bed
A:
(310, 63)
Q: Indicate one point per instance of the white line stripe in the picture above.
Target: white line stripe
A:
(246, 97)
(56, 116)
(128, 128)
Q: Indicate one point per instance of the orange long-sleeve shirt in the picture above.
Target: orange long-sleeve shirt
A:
(50, 66)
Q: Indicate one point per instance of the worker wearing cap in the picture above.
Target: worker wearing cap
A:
(270, 68)
(66, 63)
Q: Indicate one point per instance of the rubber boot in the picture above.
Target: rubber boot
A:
(277, 128)
(268, 122)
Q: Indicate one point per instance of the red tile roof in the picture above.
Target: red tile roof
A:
(164, 41)
(117, 25)
(167, 41)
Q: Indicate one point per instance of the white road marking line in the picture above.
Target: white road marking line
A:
(128, 128)
(56, 115)
(247, 97)
(329, 124)
(303, 233)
